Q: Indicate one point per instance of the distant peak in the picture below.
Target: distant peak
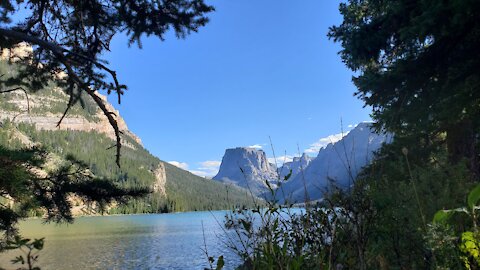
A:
(246, 167)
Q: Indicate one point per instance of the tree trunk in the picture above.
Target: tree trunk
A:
(461, 145)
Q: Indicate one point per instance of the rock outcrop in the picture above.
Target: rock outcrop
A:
(174, 189)
(49, 121)
(22, 50)
(248, 168)
(296, 166)
(161, 179)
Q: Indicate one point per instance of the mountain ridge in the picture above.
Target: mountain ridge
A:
(294, 167)
(337, 164)
(85, 134)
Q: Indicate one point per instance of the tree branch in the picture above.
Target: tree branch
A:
(100, 104)
(16, 89)
(59, 51)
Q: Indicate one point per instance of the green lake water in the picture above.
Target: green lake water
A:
(163, 241)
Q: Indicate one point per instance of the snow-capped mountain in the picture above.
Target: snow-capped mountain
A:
(248, 168)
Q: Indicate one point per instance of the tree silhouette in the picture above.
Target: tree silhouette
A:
(69, 38)
(417, 64)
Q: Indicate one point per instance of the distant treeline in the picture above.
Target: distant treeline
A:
(185, 191)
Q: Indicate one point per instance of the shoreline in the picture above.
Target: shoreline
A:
(133, 214)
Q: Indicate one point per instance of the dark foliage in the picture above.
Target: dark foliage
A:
(70, 36)
(23, 190)
(417, 64)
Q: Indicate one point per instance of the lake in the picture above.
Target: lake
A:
(160, 241)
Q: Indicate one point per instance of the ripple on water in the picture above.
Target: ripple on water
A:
(166, 241)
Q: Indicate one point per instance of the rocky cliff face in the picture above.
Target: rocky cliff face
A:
(336, 165)
(37, 108)
(49, 121)
(296, 166)
(248, 168)
(161, 179)
(104, 127)
(22, 50)
(174, 189)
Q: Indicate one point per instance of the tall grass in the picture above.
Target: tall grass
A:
(328, 234)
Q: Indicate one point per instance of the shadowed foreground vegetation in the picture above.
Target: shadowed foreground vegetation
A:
(416, 63)
(416, 206)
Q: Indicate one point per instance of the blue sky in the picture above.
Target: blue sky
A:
(258, 69)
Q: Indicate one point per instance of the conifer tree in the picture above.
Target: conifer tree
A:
(417, 64)
(69, 38)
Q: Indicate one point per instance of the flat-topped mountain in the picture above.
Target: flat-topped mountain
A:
(335, 165)
(86, 134)
(248, 168)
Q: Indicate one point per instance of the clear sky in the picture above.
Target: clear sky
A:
(258, 69)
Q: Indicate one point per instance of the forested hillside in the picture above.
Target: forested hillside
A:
(30, 119)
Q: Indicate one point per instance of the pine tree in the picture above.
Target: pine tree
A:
(417, 65)
(69, 38)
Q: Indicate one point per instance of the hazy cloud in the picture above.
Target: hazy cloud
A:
(257, 146)
(181, 165)
(207, 168)
(281, 160)
(200, 173)
(323, 142)
(211, 164)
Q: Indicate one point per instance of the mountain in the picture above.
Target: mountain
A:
(85, 134)
(248, 168)
(335, 165)
(295, 167)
